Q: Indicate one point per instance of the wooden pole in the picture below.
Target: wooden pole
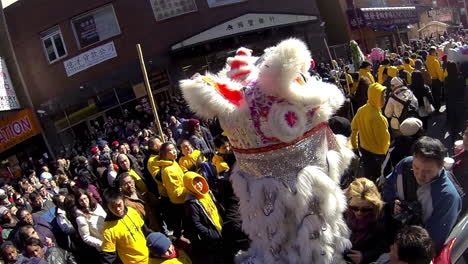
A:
(150, 93)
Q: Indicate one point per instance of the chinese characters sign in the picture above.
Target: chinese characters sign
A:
(8, 99)
(215, 3)
(17, 128)
(90, 58)
(164, 9)
(85, 28)
(382, 18)
(244, 23)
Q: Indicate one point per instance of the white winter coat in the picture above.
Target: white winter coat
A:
(394, 108)
(90, 226)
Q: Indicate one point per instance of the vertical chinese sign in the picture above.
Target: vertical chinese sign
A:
(8, 99)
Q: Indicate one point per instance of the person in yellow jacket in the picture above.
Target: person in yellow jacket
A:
(153, 165)
(173, 181)
(381, 75)
(437, 76)
(370, 129)
(364, 71)
(407, 65)
(162, 251)
(125, 165)
(223, 158)
(203, 220)
(123, 232)
(191, 157)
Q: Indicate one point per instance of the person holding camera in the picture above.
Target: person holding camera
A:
(419, 191)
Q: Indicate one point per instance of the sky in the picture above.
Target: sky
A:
(6, 3)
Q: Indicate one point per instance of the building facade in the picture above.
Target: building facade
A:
(80, 63)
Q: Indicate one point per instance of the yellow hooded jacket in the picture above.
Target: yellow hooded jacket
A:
(380, 74)
(204, 197)
(183, 258)
(219, 163)
(190, 161)
(434, 68)
(408, 68)
(154, 166)
(173, 181)
(370, 125)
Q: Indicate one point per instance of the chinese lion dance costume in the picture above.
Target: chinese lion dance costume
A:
(289, 162)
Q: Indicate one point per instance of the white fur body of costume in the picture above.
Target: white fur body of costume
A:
(289, 163)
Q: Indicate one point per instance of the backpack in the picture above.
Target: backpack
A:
(409, 109)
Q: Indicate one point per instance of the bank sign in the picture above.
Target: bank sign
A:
(17, 128)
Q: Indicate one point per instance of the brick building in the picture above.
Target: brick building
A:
(79, 59)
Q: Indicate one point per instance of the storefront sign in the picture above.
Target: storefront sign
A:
(90, 58)
(245, 23)
(382, 18)
(215, 3)
(164, 9)
(441, 15)
(17, 128)
(8, 99)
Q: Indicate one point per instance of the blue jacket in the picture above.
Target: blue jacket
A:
(439, 200)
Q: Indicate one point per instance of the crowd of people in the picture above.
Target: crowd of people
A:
(133, 196)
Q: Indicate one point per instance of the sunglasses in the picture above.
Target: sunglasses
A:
(363, 210)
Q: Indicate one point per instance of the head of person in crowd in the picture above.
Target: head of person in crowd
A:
(433, 51)
(168, 133)
(428, 159)
(406, 60)
(19, 200)
(385, 62)
(396, 83)
(115, 203)
(26, 232)
(366, 66)
(37, 202)
(124, 162)
(34, 248)
(59, 201)
(222, 145)
(173, 121)
(168, 151)
(4, 201)
(135, 148)
(6, 217)
(160, 246)
(186, 147)
(115, 145)
(43, 190)
(364, 203)
(95, 151)
(412, 245)
(24, 217)
(63, 181)
(412, 127)
(85, 201)
(123, 149)
(9, 252)
(193, 126)
(340, 125)
(154, 144)
(32, 176)
(418, 64)
(127, 184)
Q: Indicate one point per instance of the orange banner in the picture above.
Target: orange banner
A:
(17, 128)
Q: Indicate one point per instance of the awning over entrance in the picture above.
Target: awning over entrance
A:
(434, 24)
(384, 18)
(245, 23)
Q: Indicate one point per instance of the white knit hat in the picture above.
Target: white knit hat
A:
(396, 82)
(410, 126)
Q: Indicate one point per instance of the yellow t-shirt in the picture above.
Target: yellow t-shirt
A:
(219, 163)
(125, 237)
(183, 258)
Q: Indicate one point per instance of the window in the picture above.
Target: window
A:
(54, 46)
(95, 26)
